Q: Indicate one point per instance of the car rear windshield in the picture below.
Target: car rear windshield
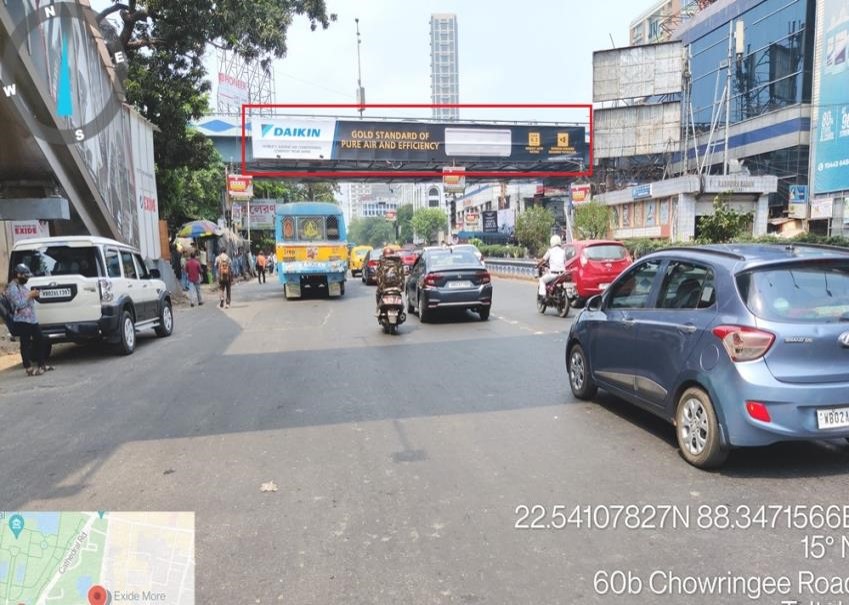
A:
(809, 292)
(457, 258)
(58, 260)
(605, 252)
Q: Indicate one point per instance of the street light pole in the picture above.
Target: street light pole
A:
(361, 92)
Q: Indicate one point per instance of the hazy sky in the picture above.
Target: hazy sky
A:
(533, 51)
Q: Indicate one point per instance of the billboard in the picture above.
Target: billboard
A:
(581, 193)
(428, 142)
(261, 214)
(822, 208)
(239, 186)
(637, 130)
(831, 140)
(453, 183)
(29, 229)
(292, 138)
(232, 91)
(506, 220)
(637, 71)
(490, 221)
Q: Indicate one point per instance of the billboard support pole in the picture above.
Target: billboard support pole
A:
(728, 95)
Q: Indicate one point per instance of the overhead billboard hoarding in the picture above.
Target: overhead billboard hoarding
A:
(232, 91)
(637, 130)
(638, 71)
(355, 140)
(831, 107)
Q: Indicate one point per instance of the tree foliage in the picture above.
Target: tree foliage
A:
(725, 224)
(533, 228)
(405, 223)
(165, 41)
(428, 222)
(291, 191)
(372, 231)
(190, 193)
(592, 220)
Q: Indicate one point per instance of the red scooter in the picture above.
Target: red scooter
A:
(555, 292)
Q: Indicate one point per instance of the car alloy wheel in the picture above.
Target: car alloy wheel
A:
(580, 380)
(166, 321)
(697, 430)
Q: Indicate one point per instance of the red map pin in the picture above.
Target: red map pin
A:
(97, 595)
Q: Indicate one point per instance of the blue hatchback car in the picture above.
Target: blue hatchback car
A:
(736, 345)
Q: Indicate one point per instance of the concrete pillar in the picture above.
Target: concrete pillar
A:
(685, 227)
(838, 218)
(761, 216)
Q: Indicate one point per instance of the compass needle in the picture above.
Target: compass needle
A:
(64, 101)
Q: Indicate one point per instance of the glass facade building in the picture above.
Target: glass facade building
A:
(775, 70)
(444, 71)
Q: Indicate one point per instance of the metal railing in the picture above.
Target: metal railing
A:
(512, 267)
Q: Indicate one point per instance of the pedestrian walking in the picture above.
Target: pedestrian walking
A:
(22, 300)
(184, 278)
(260, 267)
(193, 271)
(203, 264)
(224, 265)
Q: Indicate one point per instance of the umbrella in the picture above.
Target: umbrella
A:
(201, 228)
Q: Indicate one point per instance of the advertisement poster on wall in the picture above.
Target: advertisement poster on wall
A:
(822, 208)
(29, 229)
(831, 144)
(490, 221)
(506, 221)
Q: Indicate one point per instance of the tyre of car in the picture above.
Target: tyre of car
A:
(166, 320)
(697, 430)
(424, 314)
(483, 313)
(410, 307)
(126, 334)
(580, 376)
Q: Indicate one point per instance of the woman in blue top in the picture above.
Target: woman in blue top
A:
(27, 329)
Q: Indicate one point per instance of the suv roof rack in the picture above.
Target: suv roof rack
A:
(725, 253)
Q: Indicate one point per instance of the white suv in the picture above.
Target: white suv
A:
(93, 288)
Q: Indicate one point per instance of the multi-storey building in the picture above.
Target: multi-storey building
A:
(444, 74)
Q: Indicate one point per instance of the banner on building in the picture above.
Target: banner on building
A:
(581, 193)
(292, 138)
(472, 221)
(453, 183)
(261, 214)
(822, 208)
(507, 221)
(29, 229)
(240, 187)
(232, 91)
(831, 140)
(490, 221)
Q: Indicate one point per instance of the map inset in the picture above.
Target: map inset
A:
(97, 557)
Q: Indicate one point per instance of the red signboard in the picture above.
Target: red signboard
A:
(581, 193)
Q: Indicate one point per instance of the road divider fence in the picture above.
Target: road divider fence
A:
(512, 267)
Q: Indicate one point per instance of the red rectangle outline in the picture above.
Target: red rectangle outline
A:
(437, 175)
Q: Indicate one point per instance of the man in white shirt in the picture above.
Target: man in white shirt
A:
(556, 259)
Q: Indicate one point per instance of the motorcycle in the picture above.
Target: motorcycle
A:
(390, 310)
(557, 293)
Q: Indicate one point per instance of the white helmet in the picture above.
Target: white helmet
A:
(555, 240)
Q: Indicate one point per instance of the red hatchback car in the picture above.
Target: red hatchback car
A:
(592, 265)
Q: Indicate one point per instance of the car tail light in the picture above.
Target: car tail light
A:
(743, 343)
(372, 263)
(758, 411)
(105, 288)
(431, 279)
(486, 278)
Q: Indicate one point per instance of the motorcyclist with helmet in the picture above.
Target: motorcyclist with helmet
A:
(555, 258)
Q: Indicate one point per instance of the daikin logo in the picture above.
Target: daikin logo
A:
(274, 131)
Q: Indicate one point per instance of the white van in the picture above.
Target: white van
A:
(93, 288)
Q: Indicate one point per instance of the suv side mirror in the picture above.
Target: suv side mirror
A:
(155, 274)
(595, 302)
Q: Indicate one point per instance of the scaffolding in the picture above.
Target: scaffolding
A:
(259, 79)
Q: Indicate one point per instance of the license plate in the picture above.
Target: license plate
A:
(392, 300)
(603, 286)
(834, 418)
(459, 284)
(55, 293)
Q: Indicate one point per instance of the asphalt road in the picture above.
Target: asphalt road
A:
(400, 460)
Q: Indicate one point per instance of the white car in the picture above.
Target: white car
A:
(93, 288)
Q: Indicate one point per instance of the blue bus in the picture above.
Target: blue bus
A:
(312, 248)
